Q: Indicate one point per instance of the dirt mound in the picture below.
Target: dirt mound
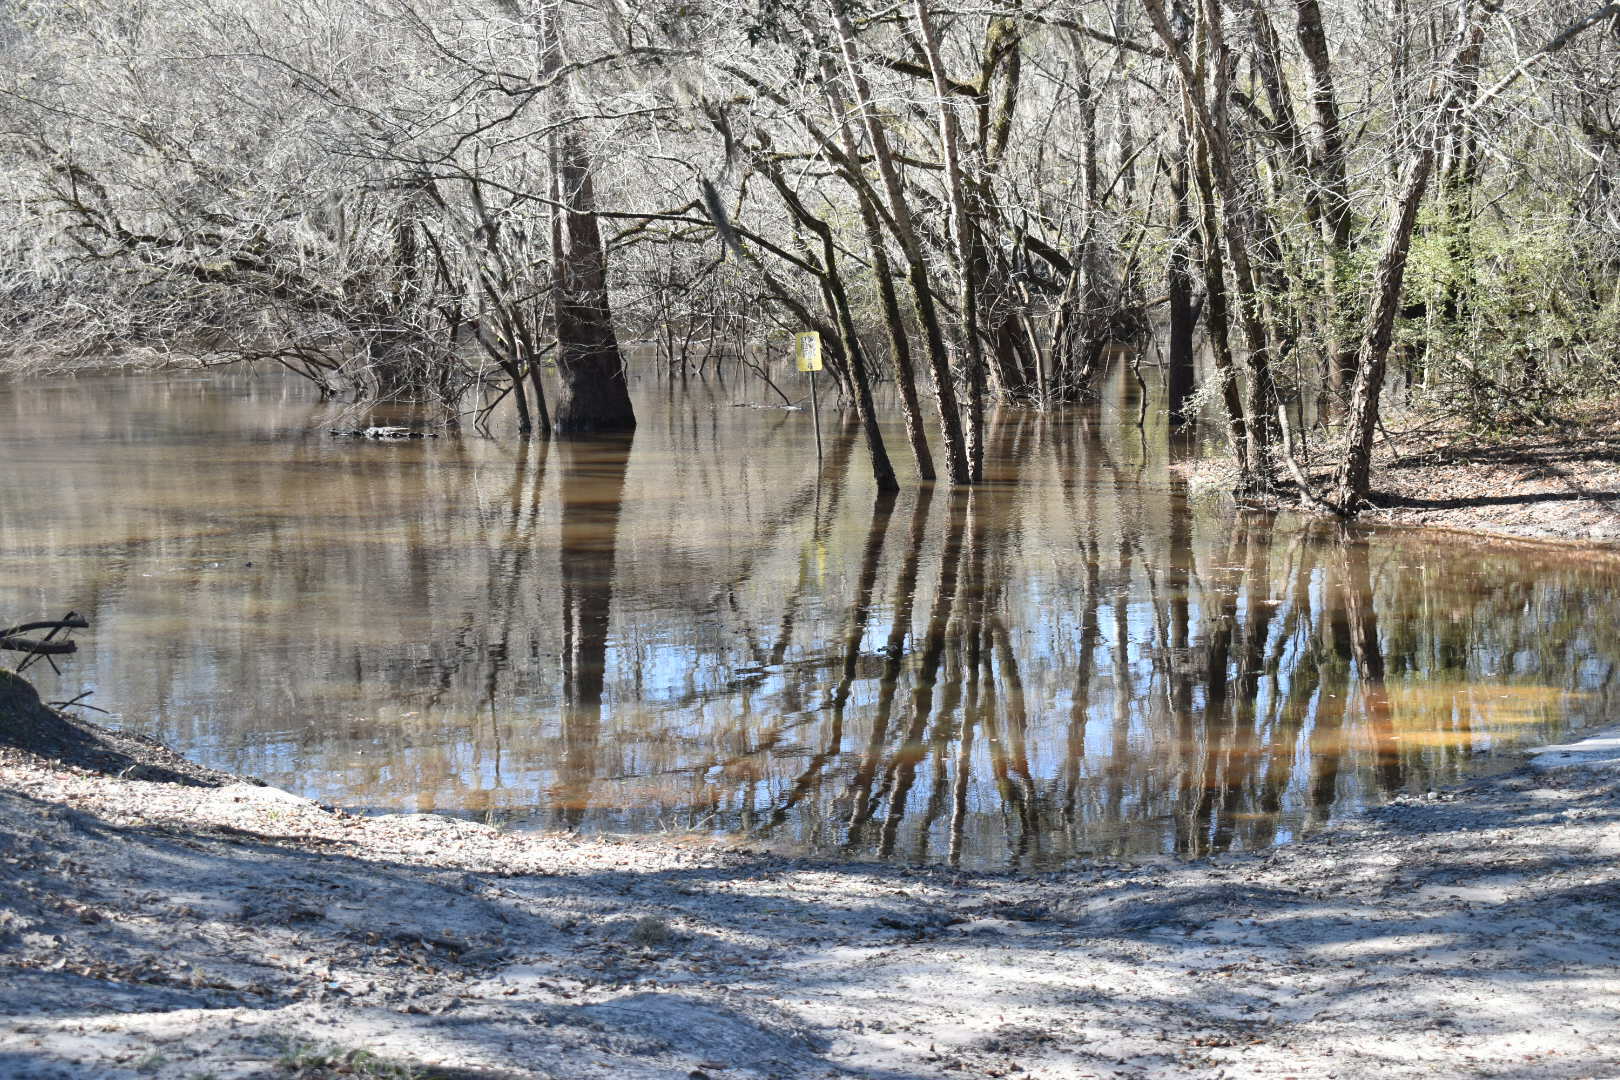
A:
(27, 724)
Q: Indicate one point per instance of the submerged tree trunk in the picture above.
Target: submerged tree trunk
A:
(894, 322)
(836, 300)
(962, 234)
(1235, 230)
(841, 340)
(950, 420)
(865, 409)
(1086, 325)
(1217, 321)
(595, 393)
(1221, 226)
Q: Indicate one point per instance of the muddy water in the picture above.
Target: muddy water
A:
(701, 629)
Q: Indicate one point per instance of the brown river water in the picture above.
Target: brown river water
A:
(701, 630)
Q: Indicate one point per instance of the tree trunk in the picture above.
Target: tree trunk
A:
(836, 299)
(1324, 102)
(865, 409)
(1217, 320)
(899, 342)
(1350, 483)
(950, 420)
(1205, 108)
(1180, 374)
(962, 234)
(1236, 233)
(595, 394)
(1331, 180)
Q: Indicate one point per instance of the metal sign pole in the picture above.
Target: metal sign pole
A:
(807, 351)
(815, 411)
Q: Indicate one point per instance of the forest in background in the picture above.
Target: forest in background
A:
(1302, 200)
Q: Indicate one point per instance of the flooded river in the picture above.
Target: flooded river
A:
(703, 629)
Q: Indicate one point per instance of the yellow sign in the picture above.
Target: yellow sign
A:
(807, 350)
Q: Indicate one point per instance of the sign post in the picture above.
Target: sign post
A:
(807, 352)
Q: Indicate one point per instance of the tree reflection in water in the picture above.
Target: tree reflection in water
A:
(592, 491)
(1233, 694)
(710, 631)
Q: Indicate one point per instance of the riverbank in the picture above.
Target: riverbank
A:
(1560, 484)
(210, 927)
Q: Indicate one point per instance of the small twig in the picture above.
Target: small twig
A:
(1389, 443)
(759, 369)
(1305, 490)
(78, 702)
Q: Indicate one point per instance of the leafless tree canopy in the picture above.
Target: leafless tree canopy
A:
(972, 201)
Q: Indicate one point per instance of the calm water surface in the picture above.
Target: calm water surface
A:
(700, 629)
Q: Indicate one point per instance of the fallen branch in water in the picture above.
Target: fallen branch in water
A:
(78, 703)
(36, 645)
(11, 638)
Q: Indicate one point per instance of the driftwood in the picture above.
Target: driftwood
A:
(383, 433)
(11, 638)
(35, 645)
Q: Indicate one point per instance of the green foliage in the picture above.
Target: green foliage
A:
(1510, 321)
